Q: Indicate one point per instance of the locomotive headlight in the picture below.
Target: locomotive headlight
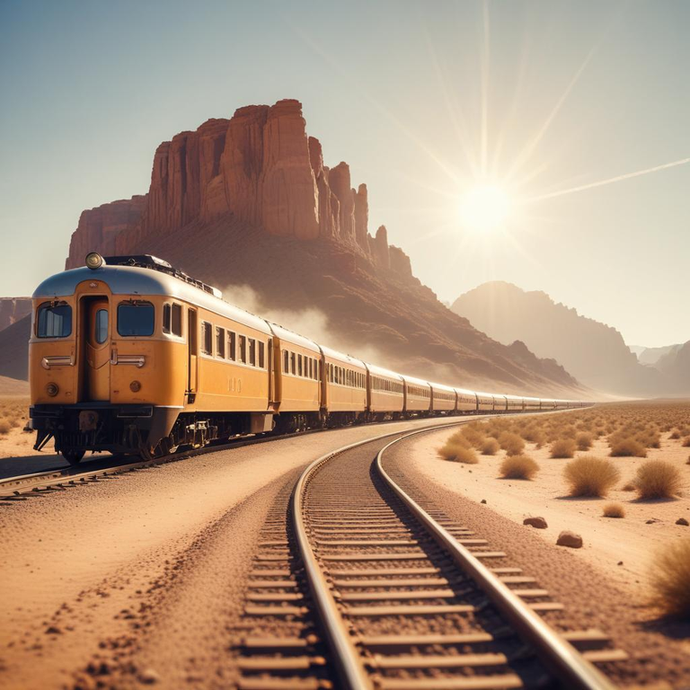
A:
(135, 386)
(52, 389)
(94, 260)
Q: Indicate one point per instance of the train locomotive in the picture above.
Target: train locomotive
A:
(130, 355)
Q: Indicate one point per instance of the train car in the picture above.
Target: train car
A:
(485, 402)
(344, 387)
(386, 394)
(444, 400)
(129, 354)
(127, 358)
(514, 403)
(297, 380)
(532, 404)
(467, 400)
(417, 395)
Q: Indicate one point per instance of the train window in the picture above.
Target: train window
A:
(286, 362)
(220, 342)
(135, 318)
(177, 319)
(232, 339)
(261, 354)
(167, 317)
(311, 368)
(54, 320)
(206, 338)
(101, 326)
(293, 363)
(299, 365)
(252, 352)
(242, 354)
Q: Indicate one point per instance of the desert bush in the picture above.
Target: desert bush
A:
(511, 443)
(686, 442)
(518, 467)
(613, 510)
(533, 434)
(675, 435)
(474, 435)
(5, 426)
(628, 486)
(458, 453)
(590, 476)
(669, 579)
(459, 439)
(657, 479)
(562, 448)
(628, 447)
(490, 446)
(584, 441)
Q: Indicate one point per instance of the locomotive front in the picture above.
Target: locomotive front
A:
(105, 372)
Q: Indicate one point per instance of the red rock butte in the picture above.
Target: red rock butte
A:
(260, 167)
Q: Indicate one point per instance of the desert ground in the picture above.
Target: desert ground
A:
(624, 549)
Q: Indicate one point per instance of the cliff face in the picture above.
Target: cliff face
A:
(12, 309)
(593, 352)
(249, 202)
(261, 167)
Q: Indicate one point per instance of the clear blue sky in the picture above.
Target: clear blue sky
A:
(395, 88)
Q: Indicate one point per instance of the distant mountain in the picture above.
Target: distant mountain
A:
(248, 202)
(12, 309)
(14, 346)
(651, 355)
(593, 352)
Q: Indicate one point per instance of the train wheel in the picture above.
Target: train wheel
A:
(73, 457)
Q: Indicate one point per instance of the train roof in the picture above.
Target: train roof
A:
(484, 395)
(465, 391)
(380, 371)
(415, 381)
(289, 336)
(132, 280)
(442, 387)
(342, 357)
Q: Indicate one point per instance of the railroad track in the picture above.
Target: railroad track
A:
(14, 488)
(357, 585)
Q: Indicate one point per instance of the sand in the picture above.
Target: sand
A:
(607, 541)
(144, 568)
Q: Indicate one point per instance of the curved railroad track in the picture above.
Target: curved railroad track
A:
(358, 585)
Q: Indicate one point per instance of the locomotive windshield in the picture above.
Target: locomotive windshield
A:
(54, 320)
(135, 318)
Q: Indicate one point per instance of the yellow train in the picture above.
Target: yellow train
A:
(128, 354)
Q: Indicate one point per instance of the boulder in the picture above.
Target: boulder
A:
(682, 521)
(538, 522)
(569, 539)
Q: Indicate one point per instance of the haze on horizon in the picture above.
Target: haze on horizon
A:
(534, 99)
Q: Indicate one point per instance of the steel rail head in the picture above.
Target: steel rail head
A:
(352, 674)
(558, 655)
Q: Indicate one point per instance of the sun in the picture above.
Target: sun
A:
(485, 207)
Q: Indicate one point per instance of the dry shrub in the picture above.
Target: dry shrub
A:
(533, 434)
(474, 435)
(657, 479)
(511, 443)
(675, 435)
(686, 442)
(459, 439)
(590, 476)
(613, 510)
(490, 446)
(562, 448)
(628, 447)
(584, 441)
(455, 452)
(669, 579)
(5, 427)
(628, 486)
(519, 467)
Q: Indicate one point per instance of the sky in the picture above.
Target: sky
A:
(538, 102)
